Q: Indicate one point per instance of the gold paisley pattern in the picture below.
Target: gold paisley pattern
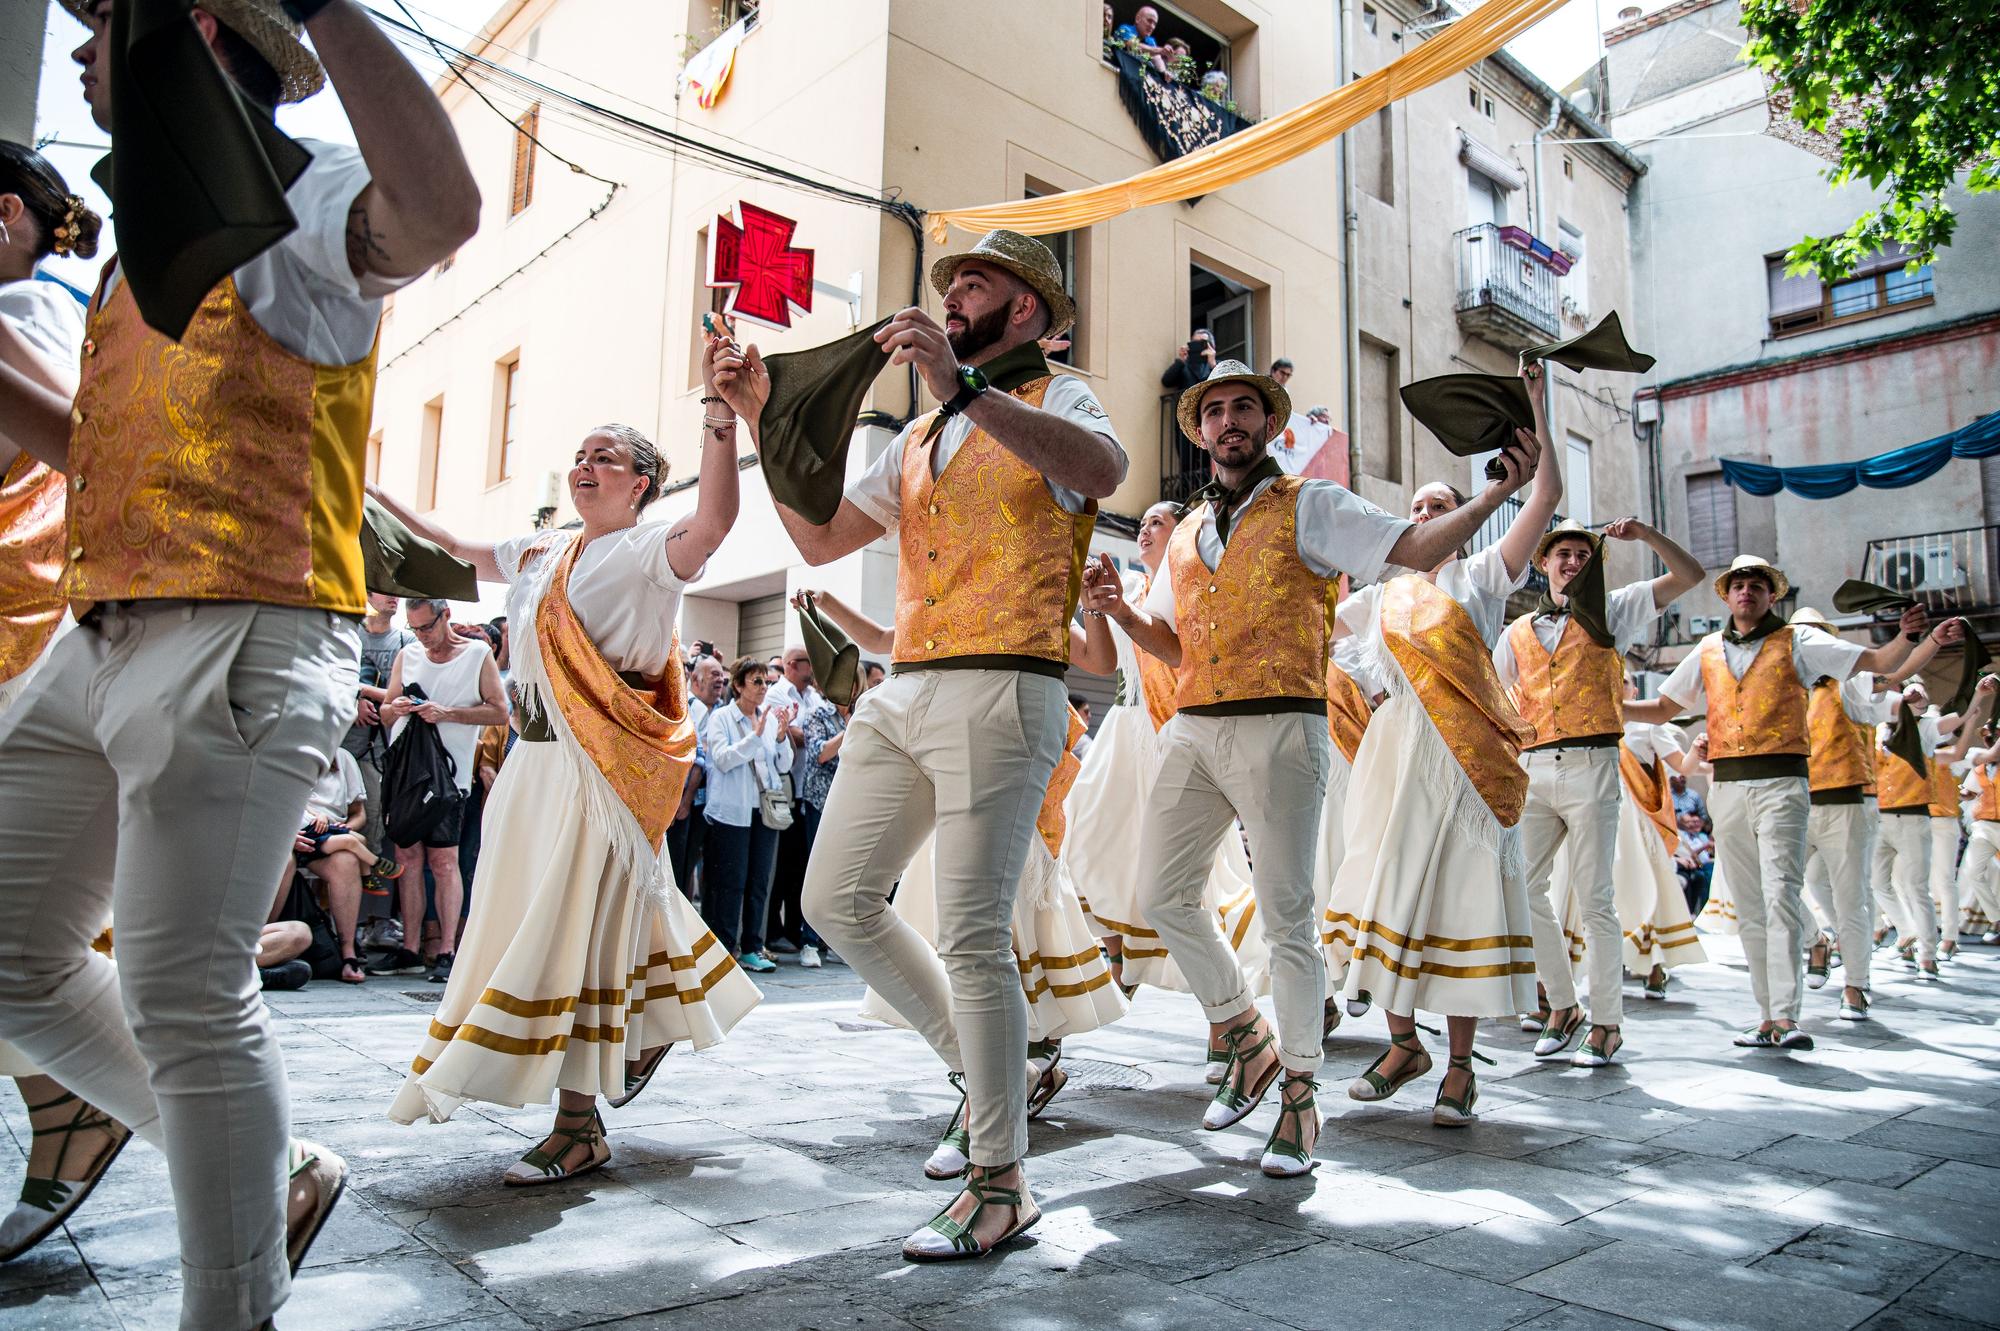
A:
(1901, 786)
(1944, 791)
(1762, 713)
(1051, 821)
(31, 562)
(991, 564)
(1439, 648)
(1576, 693)
(1841, 751)
(1242, 633)
(221, 467)
(1347, 711)
(1987, 810)
(1650, 793)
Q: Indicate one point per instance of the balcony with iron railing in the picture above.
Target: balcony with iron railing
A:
(1948, 572)
(1496, 526)
(1507, 295)
(1184, 468)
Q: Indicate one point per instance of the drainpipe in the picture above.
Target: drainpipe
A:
(1350, 221)
(1535, 209)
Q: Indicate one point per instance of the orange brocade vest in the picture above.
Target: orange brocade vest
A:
(1944, 790)
(1575, 694)
(1157, 681)
(221, 467)
(1901, 786)
(1253, 629)
(1347, 711)
(1051, 821)
(1988, 808)
(1764, 713)
(991, 564)
(31, 562)
(1652, 794)
(1841, 750)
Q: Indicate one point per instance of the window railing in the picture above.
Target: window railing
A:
(1948, 572)
(1496, 526)
(1184, 468)
(1506, 295)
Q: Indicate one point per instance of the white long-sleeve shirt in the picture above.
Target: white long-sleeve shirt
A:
(744, 757)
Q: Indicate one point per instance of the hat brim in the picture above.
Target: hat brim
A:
(1549, 539)
(1771, 571)
(1188, 410)
(1062, 310)
(269, 35)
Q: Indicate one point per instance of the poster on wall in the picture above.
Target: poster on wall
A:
(750, 253)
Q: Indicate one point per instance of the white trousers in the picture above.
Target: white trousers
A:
(156, 772)
(1573, 796)
(969, 754)
(1760, 840)
(1839, 841)
(1944, 876)
(1903, 857)
(1271, 772)
(1979, 875)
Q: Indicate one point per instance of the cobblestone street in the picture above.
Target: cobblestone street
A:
(766, 1183)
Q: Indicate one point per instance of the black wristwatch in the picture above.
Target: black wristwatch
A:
(971, 384)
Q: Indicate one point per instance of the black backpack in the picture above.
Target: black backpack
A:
(419, 784)
(301, 905)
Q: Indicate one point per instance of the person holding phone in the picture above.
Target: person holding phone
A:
(1192, 364)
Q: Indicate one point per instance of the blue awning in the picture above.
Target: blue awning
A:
(1885, 471)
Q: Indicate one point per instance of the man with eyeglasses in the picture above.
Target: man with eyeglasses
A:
(461, 692)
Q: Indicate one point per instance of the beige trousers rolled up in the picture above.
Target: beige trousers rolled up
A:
(1840, 840)
(1944, 876)
(1270, 771)
(1760, 840)
(969, 754)
(1573, 798)
(1904, 856)
(1979, 874)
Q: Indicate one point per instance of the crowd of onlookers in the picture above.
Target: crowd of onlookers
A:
(1173, 58)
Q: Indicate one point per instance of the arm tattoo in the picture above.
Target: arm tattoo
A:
(364, 250)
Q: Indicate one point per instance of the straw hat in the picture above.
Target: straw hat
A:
(1569, 529)
(271, 33)
(1277, 401)
(1024, 257)
(1805, 614)
(1752, 564)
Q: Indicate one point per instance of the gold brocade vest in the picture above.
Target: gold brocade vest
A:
(1347, 711)
(1577, 693)
(1052, 822)
(1650, 792)
(1899, 785)
(1944, 790)
(1449, 666)
(1763, 713)
(1842, 752)
(1255, 626)
(221, 467)
(31, 562)
(991, 564)
(1157, 681)
(1987, 810)
(1864, 735)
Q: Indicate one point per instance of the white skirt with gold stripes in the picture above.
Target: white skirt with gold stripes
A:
(1652, 908)
(1063, 974)
(1719, 915)
(1101, 855)
(567, 967)
(1424, 913)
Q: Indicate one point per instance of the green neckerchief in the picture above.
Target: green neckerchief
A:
(197, 176)
(836, 661)
(1906, 739)
(1977, 658)
(398, 562)
(807, 423)
(1855, 597)
(1766, 626)
(1225, 499)
(1584, 600)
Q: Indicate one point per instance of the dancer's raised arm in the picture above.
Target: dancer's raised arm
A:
(476, 553)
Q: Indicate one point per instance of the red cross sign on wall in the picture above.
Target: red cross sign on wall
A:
(752, 254)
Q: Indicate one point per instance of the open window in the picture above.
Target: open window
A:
(1072, 251)
(1195, 41)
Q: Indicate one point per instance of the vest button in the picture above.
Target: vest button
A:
(76, 482)
(934, 508)
(930, 554)
(930, 600)
(930, 644)
(90, 346)
(1211, 586)
(76, 415)
(1215, 660)
(76, 552)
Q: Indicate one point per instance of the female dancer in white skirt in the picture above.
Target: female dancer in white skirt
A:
(1430, 906)
(1351, 694)
(582, 963)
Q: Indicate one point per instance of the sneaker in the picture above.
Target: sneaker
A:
(829, 956)
(783, 946)
(400, 962)
(440, 971)
(285, 975)
(756, 963)
(809, 957)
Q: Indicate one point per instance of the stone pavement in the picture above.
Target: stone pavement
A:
(765, 1184)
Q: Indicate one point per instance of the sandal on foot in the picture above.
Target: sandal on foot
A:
(1757, 1038)
(1045, 1060)
(353, 971)
(1553, 1042)
(638, 1074)
(1233, 1101)
(325, 1173)
(952, 1156)
(540, 1166)
(1358, 1005)
(1286, 1155)
(947, 1240)
(47, 1202)
(1216, 1067)
(1656, 984)
(1115, 963)
(1330, 1021)
(1818, 957)
(1534, 1023)
(1852, 1011)
(1594, 1054)
(1371, 1085)
(1451, 1112)
(1791, 1037)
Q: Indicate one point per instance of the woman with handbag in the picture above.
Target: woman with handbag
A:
(749, 803)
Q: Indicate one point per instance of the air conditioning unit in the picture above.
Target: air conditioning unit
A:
(1700, 626)
(1928, 564)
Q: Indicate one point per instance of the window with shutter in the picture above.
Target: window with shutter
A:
(525, 131)
(1877, 286)
(1711, 520)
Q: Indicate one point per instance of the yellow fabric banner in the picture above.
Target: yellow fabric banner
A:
(1272, 143)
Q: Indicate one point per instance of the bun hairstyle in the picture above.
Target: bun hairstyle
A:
(64, 224)
(646, 459)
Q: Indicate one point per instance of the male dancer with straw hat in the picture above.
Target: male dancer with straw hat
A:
(1752, 679)
(963, 736)
(156, 770)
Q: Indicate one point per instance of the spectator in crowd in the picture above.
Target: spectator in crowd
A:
(824, 730)
(707, 681)
(1215, 87)
(1694, 858)
(798, 690)
(1281, 368)
(1192, 363)
(381, 641)
(1685, 798)
(473, 820)
(461, 694)
(1137, 37)
(749, 752)
(1081, 705)
(872, 674)
(331, 846)
(1180, 56)
(281, 963)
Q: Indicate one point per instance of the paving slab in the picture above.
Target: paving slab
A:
(1855, 1260)
(1335, 1287)
(1900, 1213)
(1687, 1293)
(1959, 1181)
(1515, 1187)
(1966, 1288)
(1505, 1248)
(1693, 1222)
